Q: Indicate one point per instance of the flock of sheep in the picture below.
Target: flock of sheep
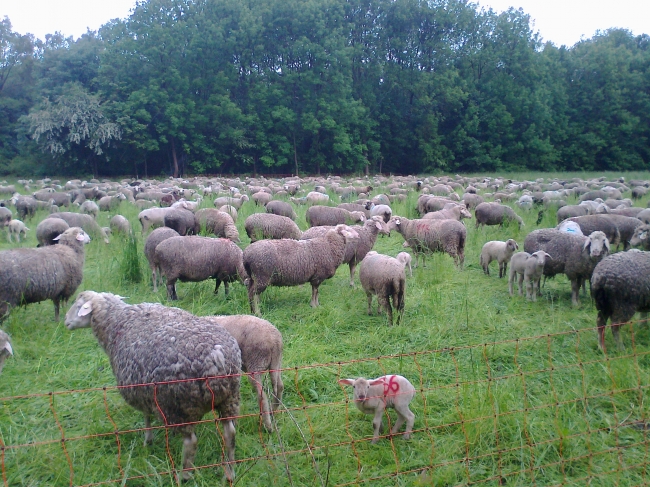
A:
(196, 362)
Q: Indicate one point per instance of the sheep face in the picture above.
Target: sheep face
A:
(80, 313)
(597, 244)
(511, 245)
(361, 387)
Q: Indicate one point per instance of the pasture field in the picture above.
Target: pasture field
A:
(510, 392)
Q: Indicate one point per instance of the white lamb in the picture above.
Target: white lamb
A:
(16, 227)
(372, 396)
(499, 251)
(533, 273)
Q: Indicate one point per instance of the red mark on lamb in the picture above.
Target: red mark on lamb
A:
(392, 386)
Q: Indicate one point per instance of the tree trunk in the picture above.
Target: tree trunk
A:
(295, 153)
(174, 158)
(146, 175)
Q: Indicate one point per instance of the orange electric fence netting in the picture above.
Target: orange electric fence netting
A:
(542, 410)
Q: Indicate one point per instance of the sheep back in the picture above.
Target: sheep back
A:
(268, 225)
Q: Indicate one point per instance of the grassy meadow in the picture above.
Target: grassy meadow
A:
(510, 392)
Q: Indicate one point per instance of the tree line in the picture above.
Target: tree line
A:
(327, 86)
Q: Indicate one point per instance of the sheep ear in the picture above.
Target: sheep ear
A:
(80, 236)
(607, 245)
(8, 348)
(57, 238)
(547, 255)
(346, 382)
(586, 244)
(85, 309)
(376, 382)
(378, 225)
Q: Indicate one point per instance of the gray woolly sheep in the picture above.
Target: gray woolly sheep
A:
(471, 200)
(364, 208)
(327, 215)
(373, 396)
(109, 203)
(499, 251)
(89, 207)
(86, 222)
(194, 364)
(449, 212)
(620, 287)
(405, 259)
(34, 275)
(573, 255)
(231, 210)
(261, 350)
(49, 229)
(626, 225)
(268, 225)
(182, 221)
(593, 223)
(218, 222)
(384, 276)
(119, 224)
(236, 202)
(5, 348)
(293, 262)
(570, 227)
(570, 211)
(5, 216)
(17, 228)
(356, 248)
(383, 211)
(425, 236)
(154, 238)
(196, 259)
(281, 208)
(60, 199)
(495, 214)
(261, 198)
(641, 237)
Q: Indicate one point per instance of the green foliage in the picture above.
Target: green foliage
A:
(130, 261)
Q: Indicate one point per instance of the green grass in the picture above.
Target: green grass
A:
(510, 392)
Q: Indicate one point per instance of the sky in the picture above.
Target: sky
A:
(559, 21)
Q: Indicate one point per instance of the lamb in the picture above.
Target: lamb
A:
(5, 348)
(89, 207)
(34, 275)
(327, 215)
(281, 208)
(86, 222)
(261, 349)
(449, 212)
(231, 210)
(292, 262)
(620, 287)
(499, 251)
(17, 228)
(533, 270)
(49, 229)
(152, 218)
(182, 221)
(405, 259)
(154, 238)
(119, 224)
(357, 248)
(432, 236)
(517, 271)
(268, 225)
(191, 365)
(573, 255)
(495, 214)
(375, 395)
(384, 276)
(217, 222)
(197, 259)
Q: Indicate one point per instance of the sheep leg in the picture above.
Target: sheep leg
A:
(616, 331)
(148, 432)
(171, 290)
(369, 295)
(575, 291)
(529, 289)
(503, 267)
(520, 284)
(189, 452)
(601, 324)
(254, 298)
(314, 295)
(278, 388)
(377, 424)
(262, 400)
(382, 299)
(217, 283)
(404, 414)
(229, 438)
(511, 279)
(154, 278)
(353, 267)
(226, 289)
(57, 303)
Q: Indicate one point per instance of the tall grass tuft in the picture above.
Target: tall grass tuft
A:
(130, 268)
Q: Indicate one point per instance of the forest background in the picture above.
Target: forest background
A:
(320, 86)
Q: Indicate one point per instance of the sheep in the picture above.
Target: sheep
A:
(381, 210)
(236, 202)
(34, 275)
(570, 227)
(231, 210)
(49, 229)
(525, 202)
(261, 198)
(17, 228)
(293, 262)
(570, 211)
(281, 208)
(109, 203)
(197, 259)
(495, 214)
(517, 271)
(356, 248)
(5, 216)
(432, 236)
(640, 237)
(181, 220)
(154, 238)
(5, 348)
(449, 212)
(358, 206)
(152, 218)
(261, 349)
(86, 222)
(573, 255)
(217, 222)
(268, 225)
(534, 268)
(405, 259)
(60, 199)
(373, 396)
(499, 251)
(620, 287)
(471, 200)
(383, 276)
(327, 215)
(191, 365)
(89, 207)
(626, 227)
(593, 223)
(119, 224)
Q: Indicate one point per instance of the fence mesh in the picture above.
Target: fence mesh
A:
(541, 410)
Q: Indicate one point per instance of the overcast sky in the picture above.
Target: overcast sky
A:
(558, 21)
